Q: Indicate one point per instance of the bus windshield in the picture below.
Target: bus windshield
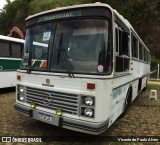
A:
(83, 45)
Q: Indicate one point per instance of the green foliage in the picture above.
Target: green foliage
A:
(144, 15)
(41, 5)
(154, 62)
(13, 14)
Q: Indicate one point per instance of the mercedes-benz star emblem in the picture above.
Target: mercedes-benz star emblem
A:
(47, 99)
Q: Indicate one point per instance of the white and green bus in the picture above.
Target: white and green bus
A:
(10, 58)
(82, 67)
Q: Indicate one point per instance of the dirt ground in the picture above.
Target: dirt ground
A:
(142, 119)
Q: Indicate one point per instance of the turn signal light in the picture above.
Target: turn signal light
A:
(58, 112)
(18, 77)
(90, 86)
(33, 105)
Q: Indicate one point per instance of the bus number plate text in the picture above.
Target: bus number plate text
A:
(44, 117)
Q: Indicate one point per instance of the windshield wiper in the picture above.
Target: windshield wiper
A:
(69, 66)
(34, 64)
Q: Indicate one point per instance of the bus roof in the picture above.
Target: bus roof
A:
(11, 39)
(70, 7)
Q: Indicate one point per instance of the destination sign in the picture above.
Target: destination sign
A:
(60, 16)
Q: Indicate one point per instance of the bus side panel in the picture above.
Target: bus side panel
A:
(144, 82)
(134, 89)
(8, 79)
(118, 98)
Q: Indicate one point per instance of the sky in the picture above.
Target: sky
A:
(2, 3)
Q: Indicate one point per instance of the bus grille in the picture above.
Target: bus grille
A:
(68, 103)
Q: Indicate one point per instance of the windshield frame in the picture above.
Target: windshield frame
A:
(104, 13)
(51, 47)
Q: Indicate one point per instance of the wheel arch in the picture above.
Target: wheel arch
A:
(130, 94)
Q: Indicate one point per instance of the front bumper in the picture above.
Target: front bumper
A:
(72, 124)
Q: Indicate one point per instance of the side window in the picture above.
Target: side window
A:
(122, 59)
(16, 50)
(134, 47)
(125, 46)
(4, 49)
(120, 42)
(140, 51)
(147, 56)
(116, 40)
(144, 54)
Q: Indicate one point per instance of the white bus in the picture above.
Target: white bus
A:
(92, 66)
(10, 58)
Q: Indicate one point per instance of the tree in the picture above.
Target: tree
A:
(13, 14)
(144, 15)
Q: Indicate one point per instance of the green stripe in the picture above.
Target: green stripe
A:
(10, 64)
(37, 63)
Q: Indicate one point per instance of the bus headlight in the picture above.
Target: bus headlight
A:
(21, 89)
(88, 101)
(87, 106)
(21, 97)
(20, 93)
(88, 112)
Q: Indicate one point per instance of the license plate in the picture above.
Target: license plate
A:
(45, 117)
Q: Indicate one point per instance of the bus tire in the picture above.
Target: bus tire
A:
(127, 102)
